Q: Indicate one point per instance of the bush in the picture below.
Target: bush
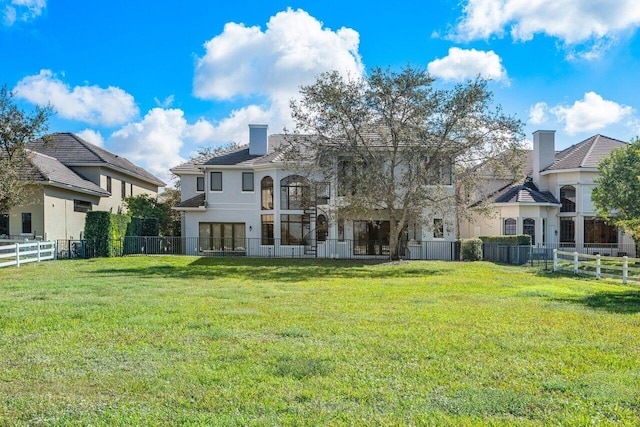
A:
(471, 249)
(102, 229)
(515, 240)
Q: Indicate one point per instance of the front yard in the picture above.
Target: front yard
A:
(180, 340)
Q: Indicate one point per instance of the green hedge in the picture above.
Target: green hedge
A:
(143, 227)
(471, 249)
(515, 240)
(102, 229)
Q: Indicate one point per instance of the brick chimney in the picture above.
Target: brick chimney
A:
(544, 154)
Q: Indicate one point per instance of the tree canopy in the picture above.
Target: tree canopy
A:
(17, 127)
(617, 195)
(393, 142)
(144, 206)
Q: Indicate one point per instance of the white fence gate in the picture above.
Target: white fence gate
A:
(17, 253)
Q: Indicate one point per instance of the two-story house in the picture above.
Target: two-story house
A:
(553, 203)
(70, 176)
(248, 200)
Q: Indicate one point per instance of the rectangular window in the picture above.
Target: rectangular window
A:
(216, 181)
(267, 229)
(4, 224)
(109, 184)
(123, 189)
(596, 230)
(131, 190)
(341, 230)
(567, 230)
(219, 236)
(294, 229)
(81, 206)
(440, 172)
(200, 183)
(247, 181)
(26, 223)
(438, 228)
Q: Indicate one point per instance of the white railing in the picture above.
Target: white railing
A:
(597, 265)
(21, 253)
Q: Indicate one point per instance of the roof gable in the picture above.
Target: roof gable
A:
(586, 154)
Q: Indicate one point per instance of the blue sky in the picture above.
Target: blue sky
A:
(155, 80)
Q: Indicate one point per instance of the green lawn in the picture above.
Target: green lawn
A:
(190, 341)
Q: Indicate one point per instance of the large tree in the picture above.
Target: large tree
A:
(617, 195)
(392, 140)
(17, 127)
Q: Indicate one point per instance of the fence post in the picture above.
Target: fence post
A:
(575, 262)
(598, 267)
(17, 254)
(625, 269)
(38, 243)
(555, 260)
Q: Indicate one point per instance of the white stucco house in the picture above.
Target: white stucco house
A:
(553, 202)
(246, 200)
(69, 176)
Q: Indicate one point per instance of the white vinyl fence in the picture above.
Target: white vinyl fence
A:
(17, 253)
(624, 268)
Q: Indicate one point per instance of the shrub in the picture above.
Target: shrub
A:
(471, 249)
(102, 229)
(515, 240)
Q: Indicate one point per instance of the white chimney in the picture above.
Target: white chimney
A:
(544, 154)
(258, 141)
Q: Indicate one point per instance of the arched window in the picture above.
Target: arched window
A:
(529, 227)
(266, 186)
(322, 228)
(294, 192)
(568, 198)
(509, 226)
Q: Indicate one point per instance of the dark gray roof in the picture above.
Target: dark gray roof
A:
(43, 168)
(586, 154)
(71, 150)
(194, 202)
(524, 193)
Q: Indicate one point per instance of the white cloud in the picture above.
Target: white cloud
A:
(168, 101)
(592, 113)
(572, 21)
(292, 51)
(21, 10)
(538, 113)
(92, 136)
(463, 64)
(90, 104)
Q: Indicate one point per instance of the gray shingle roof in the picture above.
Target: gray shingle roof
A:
(524, 193)
(71, 150)
(194, 202)
(43, 168)
(586, 154)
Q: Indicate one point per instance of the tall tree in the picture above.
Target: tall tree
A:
(16, 129)
(617, 195)
(393, 141)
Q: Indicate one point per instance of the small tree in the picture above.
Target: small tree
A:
(143, 206)
(16, 129)
(617, 195)
(392, 142)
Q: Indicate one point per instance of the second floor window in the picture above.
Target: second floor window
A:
(123, 189)
(247, 181)
(294, 192)
(200, 183)
(266, 187)
(216, 181)
(109, 184)
(568, 198)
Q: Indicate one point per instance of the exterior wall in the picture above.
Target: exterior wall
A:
(33, 205)
(115, 204)
(188, 187)
(60, 219)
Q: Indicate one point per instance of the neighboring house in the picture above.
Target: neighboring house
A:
(553, 203)
(71, 176)
(248, 200)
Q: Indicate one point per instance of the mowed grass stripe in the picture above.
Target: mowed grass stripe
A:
(181, 340)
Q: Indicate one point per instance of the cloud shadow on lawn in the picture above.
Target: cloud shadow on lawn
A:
(282, 270)
(627, 302)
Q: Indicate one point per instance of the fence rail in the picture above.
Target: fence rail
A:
(623, 268)
(21, 253)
